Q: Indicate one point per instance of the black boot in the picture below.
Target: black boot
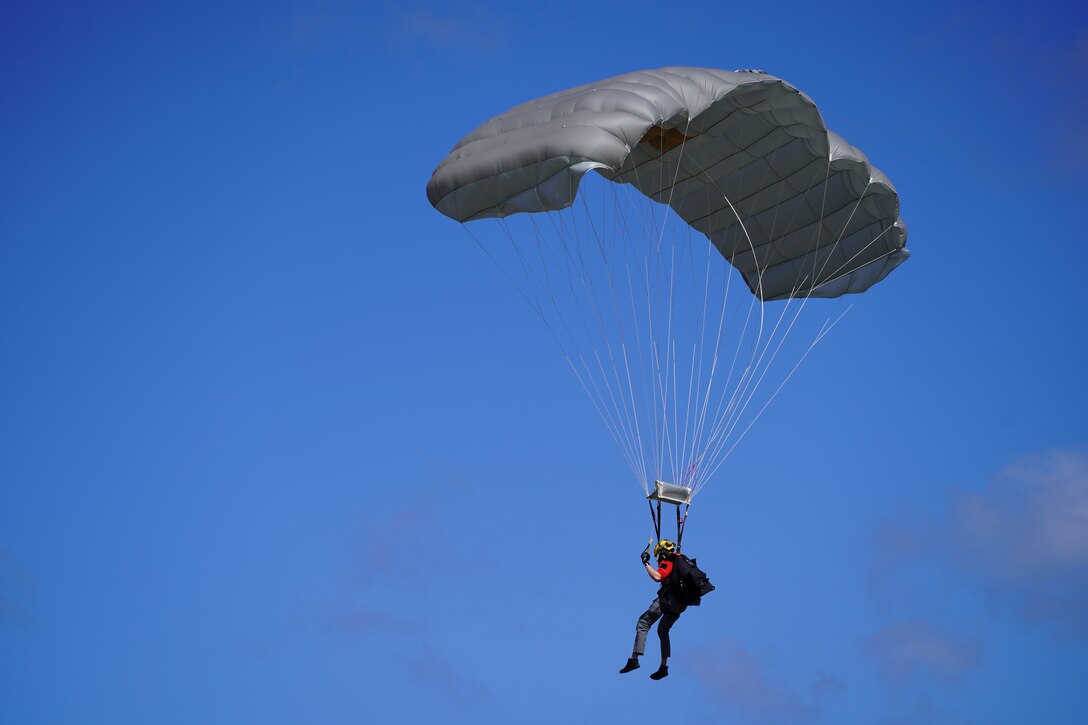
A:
(662, 673)
(632, 664)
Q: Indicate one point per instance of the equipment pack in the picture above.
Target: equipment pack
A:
(689, 583)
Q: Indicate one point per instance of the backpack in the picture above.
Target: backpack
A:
(688, 582)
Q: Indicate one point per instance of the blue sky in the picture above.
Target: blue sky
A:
(279, 445)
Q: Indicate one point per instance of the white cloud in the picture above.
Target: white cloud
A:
(1034, 521)
(1025, 539)
(437, 673)
(468, 30)
(914, 649)
(432, 28)
(1021, 540)
(352, 619)
(739, 680)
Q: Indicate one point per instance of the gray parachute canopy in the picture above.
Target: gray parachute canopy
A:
(743, 157)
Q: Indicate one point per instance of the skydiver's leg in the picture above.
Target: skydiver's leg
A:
(667, 620)
(663, 628)
(646, 621)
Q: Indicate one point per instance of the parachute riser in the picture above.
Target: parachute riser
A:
(676, 495)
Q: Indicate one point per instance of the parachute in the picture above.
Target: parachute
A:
(730, 171)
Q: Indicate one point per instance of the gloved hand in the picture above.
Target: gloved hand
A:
(646, 554)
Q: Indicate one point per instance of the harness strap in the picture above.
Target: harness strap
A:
(681, 521)
(680, 524)
(679, 529)
(656, 519)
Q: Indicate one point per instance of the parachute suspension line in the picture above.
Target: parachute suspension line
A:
(695, 383)
(735, 420)
(714, 364)
(677, 463)
(535, 307)
(819, 226)
(619, 408)
(632, 254)
(759, 335)
(652, 372)
(645, 361)
(655, 363)
(668, 442)
(651, 271)
(826, 328)
(761, 367)
(774, 222)
(639, 393)
(665, 370)
(694, 451)
(813, 251)
(630, 411)
(702, 417)
(665, 350)
(678, 448)
(538, 308)
(745, 388)
(838, 271)
(663, 374)
(818, 274)
(695, 377)
(725, 421)
(746, 391)
(596, 399)
(729, 392)
(696, 360)
(630, 446)
(684, 452)
(628, 403)
(652, 262)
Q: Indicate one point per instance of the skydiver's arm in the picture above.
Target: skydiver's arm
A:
(654, 573)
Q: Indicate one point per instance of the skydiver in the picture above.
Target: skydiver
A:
(665, 607)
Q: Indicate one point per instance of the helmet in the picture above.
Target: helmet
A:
(664, 548)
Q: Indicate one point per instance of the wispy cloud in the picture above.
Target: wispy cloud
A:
(467, 30)
(434, 670)
(409, 541)
(349, 619)
(739, 680)
(419, 533)
(1032, 522)
(431, 28)
(915, 649)
(1025, 538)
(918, 707)
(1070, 146)
(1003, 39)
(1022, 540)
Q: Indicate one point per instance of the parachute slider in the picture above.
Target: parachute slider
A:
(670, 493)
